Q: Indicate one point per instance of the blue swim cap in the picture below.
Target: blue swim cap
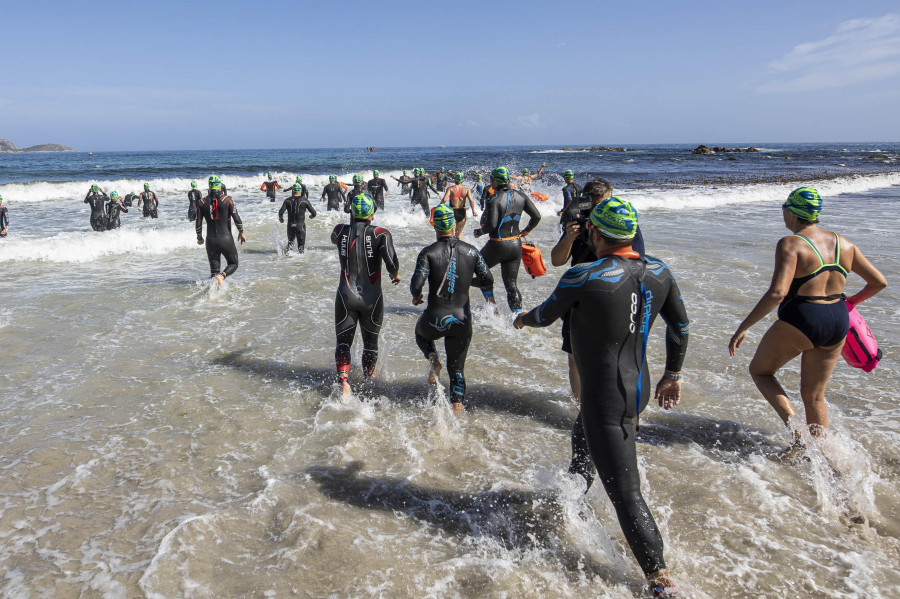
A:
(362, 206)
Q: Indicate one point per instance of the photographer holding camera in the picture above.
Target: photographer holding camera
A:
(575, 244)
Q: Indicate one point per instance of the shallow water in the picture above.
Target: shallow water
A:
(169, 440)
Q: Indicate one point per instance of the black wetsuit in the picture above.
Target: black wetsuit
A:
(113, 208)
(450, 266)
(362, 247)
(194, 196)
(270, 187)
(352, 193)
(4, 220)
(572, 191)
(376, 188)
(218, 209)
(97, 201)
(614, 302)
(334, 193)
(440, 180)
(500, 220)
(129, 199)
(419, 193)
(296, 208)
(151, 204)
(403, 183)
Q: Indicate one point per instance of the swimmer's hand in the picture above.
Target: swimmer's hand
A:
(736, 340)
(199, 241)
(418, 301)
(281, 220)
(242, 238)
(668, 392)
(395, 279)
(518, 323)
(478, 232)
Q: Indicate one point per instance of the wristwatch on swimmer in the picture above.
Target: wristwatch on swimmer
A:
(672, 376)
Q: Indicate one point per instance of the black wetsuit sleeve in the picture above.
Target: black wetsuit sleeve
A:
(388, 254)
(490, 218)
(534, 216)
(308, 207)
(420, 275)
(234, 215)
(304, 192)
(335, 234)
(483, 279)
(198, 225)
(554, 307)
(676, 319)
(284, 207)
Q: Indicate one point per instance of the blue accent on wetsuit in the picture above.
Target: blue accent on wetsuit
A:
(824, 325)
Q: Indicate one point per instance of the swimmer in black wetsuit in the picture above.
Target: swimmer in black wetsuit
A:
(194, 196)
(500, 221)
(377, 189)
(571, 191)
(450, 266)
(440, 179)
(362, 247)
(403, 182)
(614, 302)
(150, 201)
(418, 194)
(218, 209)
(4, 219)
(129, 199)
(296, 206)
(113, 207)
(96, 199)
(334, 193)
(269, 187)
(575, 243)
(354, 191)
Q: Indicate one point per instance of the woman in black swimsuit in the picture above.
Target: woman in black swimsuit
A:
(812, 313)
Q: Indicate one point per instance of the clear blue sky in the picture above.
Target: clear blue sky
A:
(194, 75)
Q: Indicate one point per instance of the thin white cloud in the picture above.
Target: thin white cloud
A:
(531, 121)
(860, 51)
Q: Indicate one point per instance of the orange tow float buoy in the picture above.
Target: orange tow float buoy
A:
(533, 260)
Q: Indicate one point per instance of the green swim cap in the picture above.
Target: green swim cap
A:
(568, 175)
(299, 179)
(442, 169)
(524, 171)
(95, 188)
(332, 178)
(458, 177)
(269, 175)
(193, 184)
(146, 186)
(804, 203)
(357, 179)
(362, 206)
(404, 172)
(215, 182)
(615, 218)
(297, 187)
(375, 173)
(1, 199)
(478, 177)
(114, 195)
(444, 220)
(500, 175)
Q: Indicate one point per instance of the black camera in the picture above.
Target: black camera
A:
(579, 211)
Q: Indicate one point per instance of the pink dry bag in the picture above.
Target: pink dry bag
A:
(861, 348)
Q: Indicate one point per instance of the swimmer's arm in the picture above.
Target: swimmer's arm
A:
(675, 316)
(562, 251)
(553, 308)
(534, 216)
(446, 196)
(389, 257)
(785, 267)
(198, 224)
(262, 187)
(420, 275)
(537, 174)
(237, 219)
(875, 281)
(281, 212)
(309, 208)
(483, 278)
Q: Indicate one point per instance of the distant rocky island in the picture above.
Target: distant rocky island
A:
(8, 147)
(701, 149)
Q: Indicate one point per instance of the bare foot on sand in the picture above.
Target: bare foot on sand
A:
(457, 406)
(436, 368)
(219, 280)
(345, 392)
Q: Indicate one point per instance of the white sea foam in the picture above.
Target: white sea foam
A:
(81, 247)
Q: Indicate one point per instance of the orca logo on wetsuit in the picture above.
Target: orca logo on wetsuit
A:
(445, 323)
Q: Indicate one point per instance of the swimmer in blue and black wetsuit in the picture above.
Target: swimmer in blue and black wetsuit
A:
(813, 318)
(194, 196)
(296, 206)
(377, 189)
(334, 194)
(500, 221)
(269, 187)
(418, 193)
(362, 248)
(450, 266)
(114, 207)
(218, 210)
(96, 199)
(613, 303)
(4, 219)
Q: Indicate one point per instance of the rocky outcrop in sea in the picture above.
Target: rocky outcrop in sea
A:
(8, 147)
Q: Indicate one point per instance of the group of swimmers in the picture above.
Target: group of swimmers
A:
(607, 300)
(105, 209)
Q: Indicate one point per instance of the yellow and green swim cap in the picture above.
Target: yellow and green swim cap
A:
(805, 203)
(444, 220)
(615, 218)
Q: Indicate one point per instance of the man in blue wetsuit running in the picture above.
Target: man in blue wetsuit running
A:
(450, 266)
(612, 304)
(362, 248)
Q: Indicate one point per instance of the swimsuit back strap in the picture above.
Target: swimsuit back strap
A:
(815, 249)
